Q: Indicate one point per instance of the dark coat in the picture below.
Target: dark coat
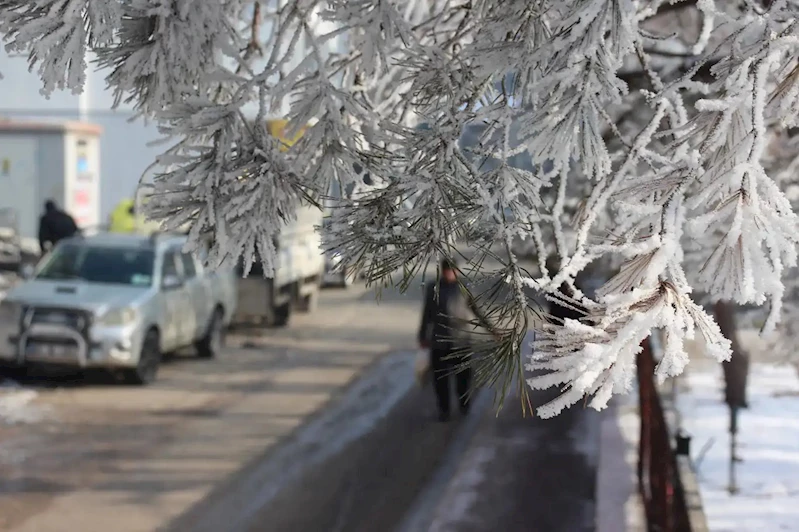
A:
(55, 225)
(448, 316)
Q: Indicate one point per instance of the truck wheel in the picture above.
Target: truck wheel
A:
(149, 360)
(309, 302)
(282, 314)
(211, 344)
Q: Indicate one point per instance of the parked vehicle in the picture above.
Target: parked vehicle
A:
(16, 253)
(118, 302)
(297, 280)
(335, 273)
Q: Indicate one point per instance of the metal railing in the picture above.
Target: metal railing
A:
(667, 483)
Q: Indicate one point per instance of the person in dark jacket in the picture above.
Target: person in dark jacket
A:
(54, 225)
(446, 317)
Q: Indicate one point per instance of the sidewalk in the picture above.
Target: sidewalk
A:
(522, 473)
(767, 477)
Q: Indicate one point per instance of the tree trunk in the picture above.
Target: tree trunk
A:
(736, 370)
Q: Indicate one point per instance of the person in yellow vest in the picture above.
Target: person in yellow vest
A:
(123, 217)
(125, 220)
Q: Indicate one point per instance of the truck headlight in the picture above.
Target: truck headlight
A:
(117, 317)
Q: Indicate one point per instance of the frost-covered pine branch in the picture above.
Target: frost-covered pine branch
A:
(629, 130)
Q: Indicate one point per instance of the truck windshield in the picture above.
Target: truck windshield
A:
(96, 264)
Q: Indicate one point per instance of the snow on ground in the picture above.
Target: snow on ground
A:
(768, 443)
(18, 405)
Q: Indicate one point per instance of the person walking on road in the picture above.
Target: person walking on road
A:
(54, 226)
(447, 314)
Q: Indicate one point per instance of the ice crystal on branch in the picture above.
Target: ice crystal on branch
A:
(607, 131)
(56, 34)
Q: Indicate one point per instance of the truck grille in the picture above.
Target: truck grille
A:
(74, 319)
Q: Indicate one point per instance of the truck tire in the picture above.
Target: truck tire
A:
(146, 369)
(309, 302)
(12, 372)
(210, 344)
(281, 315)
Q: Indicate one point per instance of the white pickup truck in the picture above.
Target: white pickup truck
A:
(116, 302)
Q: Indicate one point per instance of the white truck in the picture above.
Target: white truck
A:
(297, 280)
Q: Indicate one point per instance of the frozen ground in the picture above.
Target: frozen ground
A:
(18, 404)
(768, 475)
(19, 409)
(618, 504)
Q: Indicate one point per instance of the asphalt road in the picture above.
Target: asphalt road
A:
(411, 473)
(366, 485)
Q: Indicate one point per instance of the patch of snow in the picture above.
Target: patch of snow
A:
(768, 443)
(17, 405)
(12, 455)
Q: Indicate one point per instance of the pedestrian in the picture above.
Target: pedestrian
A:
(123, 217)
(54, 226)
(448, 314)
